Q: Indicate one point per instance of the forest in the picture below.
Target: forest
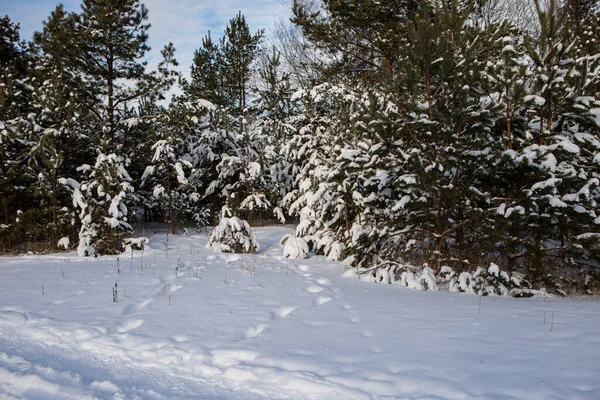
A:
(429, 142)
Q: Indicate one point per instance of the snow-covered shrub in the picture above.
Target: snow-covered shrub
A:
(405, 275)
(445, 275)
(419, 280)
(491, 281)
(232, 235)
(294, 247)
(101, 203)
(138, 243)
(64, 242)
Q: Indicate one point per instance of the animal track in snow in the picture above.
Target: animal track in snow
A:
(322, 300)
(228, 358)
(180, 338)
(314, 289)
(323, 281)
(130, 325)
(281, 312)
(135, 307)
(254, 330)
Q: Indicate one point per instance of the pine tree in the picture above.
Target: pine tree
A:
(239, 48)
(232, 235)
(580, 15)
(11, 48)
(15, 133)
(208, 74)
(166, 176)
(273, 90)
(362, 36)
(111, 41)
(61, 111)
(107, 42)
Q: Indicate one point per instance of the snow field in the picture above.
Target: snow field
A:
(193, 323)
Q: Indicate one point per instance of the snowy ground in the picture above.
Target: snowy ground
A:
(254, 327)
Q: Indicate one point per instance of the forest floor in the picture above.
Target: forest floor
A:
(191, 323)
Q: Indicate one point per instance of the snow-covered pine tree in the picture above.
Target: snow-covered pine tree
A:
(166, 175)
(232, 235)
(557, 186)
(369, 162)
(362, 38)
(274, 111)
(16, 133)
(60, 110)
(109, 42)
(318, 199)
(239, 49)
(207, 73)
(445, 115)
(102, 208)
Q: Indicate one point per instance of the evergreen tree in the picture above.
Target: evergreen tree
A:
(11, 48)
(208, 74)
(273, 90)
(362, 36)
(15, 133)
(111, 43)
(239, 48)
(580, 15)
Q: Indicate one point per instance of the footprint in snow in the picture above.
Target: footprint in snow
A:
(180, 338)
(322, 300)
(135, 307)
(130, 325)
(354, 319)
(281, 312)
(228, 358)
(254, 330)
(314, 289)
(347, 307)
(323, 281)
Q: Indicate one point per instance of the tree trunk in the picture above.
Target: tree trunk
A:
(509, 127)
(428, 87)
(109, 139)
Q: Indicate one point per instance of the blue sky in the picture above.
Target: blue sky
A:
(183, 22)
